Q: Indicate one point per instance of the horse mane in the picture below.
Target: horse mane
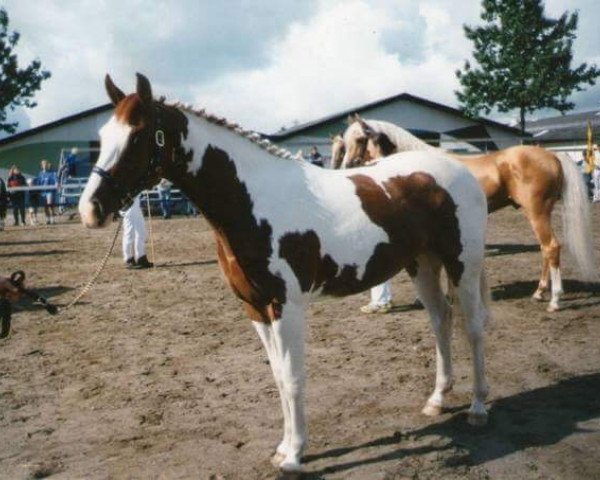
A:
(251, 135)
(401, 138)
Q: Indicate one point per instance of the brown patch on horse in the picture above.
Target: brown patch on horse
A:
(314, 270)
(130, 110)
(419, 217)
(243, 243)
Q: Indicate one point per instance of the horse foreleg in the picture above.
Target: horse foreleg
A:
(265, 333)
(288, 341)
(430, 293)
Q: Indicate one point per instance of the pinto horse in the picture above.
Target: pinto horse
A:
(525, 177)
(287, 232)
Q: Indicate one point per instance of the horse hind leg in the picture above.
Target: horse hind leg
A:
(542, 227)
(473, 304)
(427, 282)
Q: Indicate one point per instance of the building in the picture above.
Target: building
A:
(433, 122)
(26, 149)
(565, 131)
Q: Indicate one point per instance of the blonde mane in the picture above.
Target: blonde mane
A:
(251, 135)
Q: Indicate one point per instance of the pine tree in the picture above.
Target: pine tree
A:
(17, 85)
(524, 61)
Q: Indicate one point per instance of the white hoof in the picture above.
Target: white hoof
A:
(290, 466)
(277, 458)
(432, 410)
(477, 419)
(553, 307)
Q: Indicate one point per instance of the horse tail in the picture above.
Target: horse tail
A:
(576, 217)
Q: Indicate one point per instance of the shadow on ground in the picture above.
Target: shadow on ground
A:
(497, 249)
(536, 418)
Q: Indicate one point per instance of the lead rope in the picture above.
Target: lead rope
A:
(88, 286)
(150, 229)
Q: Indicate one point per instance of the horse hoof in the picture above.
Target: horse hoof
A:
(538, 296)
(290, 466)
(277, 459)
(553, 308)
(477, 419)
(432, 410)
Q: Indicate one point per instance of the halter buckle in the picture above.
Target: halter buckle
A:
(159, 138)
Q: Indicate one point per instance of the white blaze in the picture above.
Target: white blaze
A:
(113, 139)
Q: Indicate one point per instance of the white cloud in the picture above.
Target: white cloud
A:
(264, 64)
(336, 60)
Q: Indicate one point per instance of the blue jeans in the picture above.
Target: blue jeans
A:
(165, 202)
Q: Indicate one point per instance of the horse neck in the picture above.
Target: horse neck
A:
(403, 139)
(215, 166)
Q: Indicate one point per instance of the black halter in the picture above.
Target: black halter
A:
(127, 196)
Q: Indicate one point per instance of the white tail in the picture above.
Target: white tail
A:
(576, 218)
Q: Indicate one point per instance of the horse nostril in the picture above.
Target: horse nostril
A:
(98, 210)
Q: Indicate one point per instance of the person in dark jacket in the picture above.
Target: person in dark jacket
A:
(3, 203)
(17, 198)
(315, 157)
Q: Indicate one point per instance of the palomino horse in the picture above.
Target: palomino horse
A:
(524, 176)
(287, 231)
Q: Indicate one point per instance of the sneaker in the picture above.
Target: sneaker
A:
(377, 308)
(141, 263)
(130, 262)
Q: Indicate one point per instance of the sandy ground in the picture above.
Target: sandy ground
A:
(158, 374)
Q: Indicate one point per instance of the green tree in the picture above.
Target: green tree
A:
(524, 61)
(17, 85)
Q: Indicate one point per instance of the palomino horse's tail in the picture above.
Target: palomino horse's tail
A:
(576, 217)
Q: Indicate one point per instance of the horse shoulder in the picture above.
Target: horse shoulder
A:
(255, 305)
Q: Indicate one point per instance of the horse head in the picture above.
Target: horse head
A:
(137, 146)
(356, 139)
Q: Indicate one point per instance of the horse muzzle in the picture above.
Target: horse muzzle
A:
(93, 215)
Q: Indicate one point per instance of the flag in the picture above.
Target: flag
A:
(589, 157)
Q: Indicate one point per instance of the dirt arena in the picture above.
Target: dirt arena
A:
(158, 374)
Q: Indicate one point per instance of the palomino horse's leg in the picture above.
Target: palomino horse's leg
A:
(542, 227)
(470, 294)
(287, 346)
(430, 293)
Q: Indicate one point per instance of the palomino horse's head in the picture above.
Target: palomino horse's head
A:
(356, 138)
(137, 145)
(362, 143)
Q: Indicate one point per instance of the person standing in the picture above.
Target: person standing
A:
(164, 192)
(315, 157)
(3, 203)
(596, 176)
(47, 178)
(134, 237)
(17, 198)
(34, 202)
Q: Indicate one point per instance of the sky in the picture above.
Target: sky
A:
(264, 64)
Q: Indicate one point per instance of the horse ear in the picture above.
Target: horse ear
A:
(366, 128)
(114, 93)
(144, 90)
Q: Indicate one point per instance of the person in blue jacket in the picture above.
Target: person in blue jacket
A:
(47, 178)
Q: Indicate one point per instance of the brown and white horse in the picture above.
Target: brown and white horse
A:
(287, 231)
(523, 176)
